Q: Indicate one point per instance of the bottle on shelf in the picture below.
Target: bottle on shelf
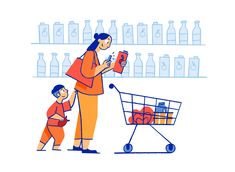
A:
(44, 36)
(183, 33)
(87, 33)
(66, 64)
(127, 33)
(179, 66)
(99, 29)
(58, 33)
(41, 66)
(193, 70)
(113, 31)
(171, 34)
(196, 34)
(142, 34)
(150, 66)
(73, 33)
(126, 70)
(138, 66)
(164, 66)
(157, 38)
(54, 66)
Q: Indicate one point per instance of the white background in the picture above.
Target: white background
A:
(203, 132)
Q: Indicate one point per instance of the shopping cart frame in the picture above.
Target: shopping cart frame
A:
(127, 148)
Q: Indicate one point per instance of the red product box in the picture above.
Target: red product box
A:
(122, 57)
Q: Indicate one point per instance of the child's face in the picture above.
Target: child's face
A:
(63, 93)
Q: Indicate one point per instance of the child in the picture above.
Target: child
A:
(56, 118)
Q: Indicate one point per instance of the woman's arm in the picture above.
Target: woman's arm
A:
(109, 68)
(101, 68)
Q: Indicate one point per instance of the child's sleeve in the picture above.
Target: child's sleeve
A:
(66, 106)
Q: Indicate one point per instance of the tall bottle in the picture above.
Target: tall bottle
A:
(41, 66)
(54, 66)
(87, 33)
(196, 34)
(66, 64)
(138, 66)
(99, 29)
(171, 34)
(126, 70)
(113, 31)
(150, 66)
(183, 33)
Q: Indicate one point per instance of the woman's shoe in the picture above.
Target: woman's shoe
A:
(89, 151)
(75, 148)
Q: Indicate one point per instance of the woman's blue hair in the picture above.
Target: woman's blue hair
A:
(95, 43)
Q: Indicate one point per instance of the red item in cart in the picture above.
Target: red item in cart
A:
(122, 57)
(145, 116)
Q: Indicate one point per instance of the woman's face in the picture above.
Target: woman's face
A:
(105, 44)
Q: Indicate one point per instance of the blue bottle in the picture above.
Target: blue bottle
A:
(66, 64)
(113, 31)
(157, 38)
(87, 33)
(164, 66)
(196, 34)
(183, 33)
(73, 33)
(194, 64)
(127, 31)
(138, 66)
(99, 29)
(44, 36)
(142, 34)
(111, 73)
(41, 66)
(179, 66)
(150, 66)
(171, 34)
(126, 70)
(54, 66)
(58, 33)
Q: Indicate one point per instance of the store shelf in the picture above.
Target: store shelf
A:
(200, 77)
(123, 44)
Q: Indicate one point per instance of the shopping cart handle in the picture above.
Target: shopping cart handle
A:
(111, 86)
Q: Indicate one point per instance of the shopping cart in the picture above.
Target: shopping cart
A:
(145, 110)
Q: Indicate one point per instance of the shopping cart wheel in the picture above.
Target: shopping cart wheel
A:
(170, 148)
(128, 148)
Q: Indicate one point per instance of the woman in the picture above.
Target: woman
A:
(88, 96)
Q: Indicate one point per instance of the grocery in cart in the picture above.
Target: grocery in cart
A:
(145, 110)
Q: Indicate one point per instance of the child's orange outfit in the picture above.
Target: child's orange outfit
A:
(52, 129)
(88, 97)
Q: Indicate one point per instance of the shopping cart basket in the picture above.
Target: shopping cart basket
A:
(145, 110)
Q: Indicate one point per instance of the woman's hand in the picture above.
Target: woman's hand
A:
(106, 64)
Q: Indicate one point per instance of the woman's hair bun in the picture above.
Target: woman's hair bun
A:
(96, 36)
